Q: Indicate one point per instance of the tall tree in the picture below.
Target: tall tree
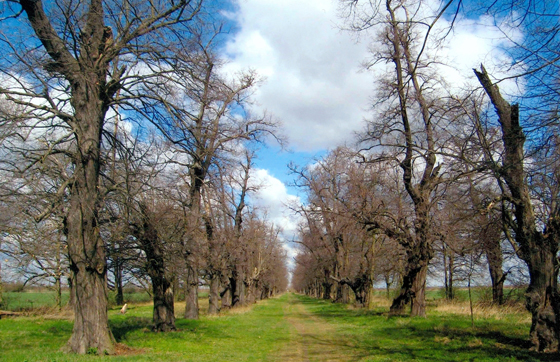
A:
(537, 246)
(64, 72)
(205, 117)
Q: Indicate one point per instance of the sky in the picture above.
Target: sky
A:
(316, 85)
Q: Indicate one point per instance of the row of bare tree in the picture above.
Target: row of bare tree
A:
(126, 153)
(440, 169)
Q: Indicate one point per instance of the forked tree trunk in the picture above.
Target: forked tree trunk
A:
(409, 87)
(191, 293)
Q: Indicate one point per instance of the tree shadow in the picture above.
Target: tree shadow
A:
(122, 327)
(371, 333)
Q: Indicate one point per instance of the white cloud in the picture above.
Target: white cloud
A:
(273, 196)
(474, 42)
(313, 80)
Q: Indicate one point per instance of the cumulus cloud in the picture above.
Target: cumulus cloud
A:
(273, 197)
(314, 79)
(313, 83)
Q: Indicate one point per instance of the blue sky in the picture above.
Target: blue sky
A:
(315, 84)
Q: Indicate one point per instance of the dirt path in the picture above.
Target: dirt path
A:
(314, 339)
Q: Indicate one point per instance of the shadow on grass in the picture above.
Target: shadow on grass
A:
(399, 338)
(124, 326)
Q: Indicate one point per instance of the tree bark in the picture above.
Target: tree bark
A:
(214, 295)
(490, 236)
(227, 297)
(495, 260)
(119, 299)
(191, 293)
(413, 288)
(327, 286)
(538, 249)
(164, 304)
(164, 308)
(449, 261)
(85, 247)
(239, 297)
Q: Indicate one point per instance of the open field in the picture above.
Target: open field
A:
(291, 328)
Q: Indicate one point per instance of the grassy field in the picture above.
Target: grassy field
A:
(33, 299)
(291, 328)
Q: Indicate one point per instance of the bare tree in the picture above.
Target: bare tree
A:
(537, 246)
(205, 117)
(66, 76)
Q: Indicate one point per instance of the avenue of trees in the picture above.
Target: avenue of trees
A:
(127, 150)
(127, 153)
(443, 178)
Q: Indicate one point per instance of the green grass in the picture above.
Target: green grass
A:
(265, 331)
(440, 337)
(29, 300)
(250, 336)
(18, 301)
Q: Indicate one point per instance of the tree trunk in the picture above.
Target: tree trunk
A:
(493, 251)
(227, 297)
(418, 300)
(164, 307)
(542, 300)
(251, 291)
(86, 250)
(191, 293)
(239, 298)
(327, 290)
(449, 292)
(58, 288)
(538, 249)
(147, 235)
(214, 295)
(119, 299)
(342, 293)
(412, 290)
(495, 260)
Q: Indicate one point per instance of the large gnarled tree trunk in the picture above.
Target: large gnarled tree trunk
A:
(90, 97)
(538, 249)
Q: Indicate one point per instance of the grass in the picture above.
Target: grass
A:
(250, 334)
(446, 335)
(292, 328)
(33, 299)
(30, 300)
